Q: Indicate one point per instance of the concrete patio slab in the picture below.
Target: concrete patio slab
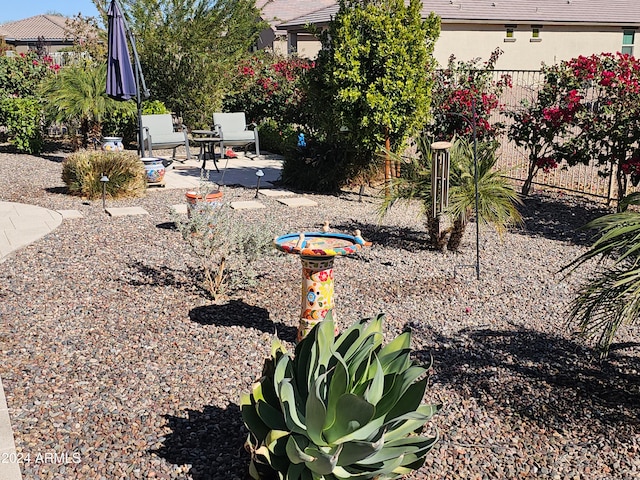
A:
(9, 467)
(297, 202)
(126, 211)
(247, 205)
(179, 208)
(276, 192)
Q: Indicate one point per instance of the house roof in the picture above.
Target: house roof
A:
(276, 12)
(51, 27)
(592, 12)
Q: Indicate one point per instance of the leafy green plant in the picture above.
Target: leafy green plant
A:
(276, 138)
(22, 74)
(611, 296)
(82, 170)
(226, 245)
(342, 407)
(22, 118)
(497, 199)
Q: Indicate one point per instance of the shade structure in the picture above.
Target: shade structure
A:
(121, 82)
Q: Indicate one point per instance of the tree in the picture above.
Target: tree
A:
(77, 97)
(373, 76)
(497, 200)
(189, 50)
(611, 296)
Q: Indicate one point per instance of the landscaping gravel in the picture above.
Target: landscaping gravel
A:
(118, 366)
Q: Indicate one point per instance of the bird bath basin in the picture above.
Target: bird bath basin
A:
(317, 252)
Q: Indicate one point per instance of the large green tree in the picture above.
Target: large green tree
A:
(189, 49)
(374, 74)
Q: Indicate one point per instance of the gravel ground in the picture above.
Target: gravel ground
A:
(114, 359)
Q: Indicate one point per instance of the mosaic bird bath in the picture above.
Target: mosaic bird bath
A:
(317, 252)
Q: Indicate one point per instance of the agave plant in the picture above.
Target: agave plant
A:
(342, 407)
(497, 200)
(611, 296)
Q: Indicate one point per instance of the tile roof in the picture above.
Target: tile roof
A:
(51, 27)
(618, 12)
(278, 11)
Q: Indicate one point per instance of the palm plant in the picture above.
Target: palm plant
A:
(611, 296)
(497, 200)
(77, 97)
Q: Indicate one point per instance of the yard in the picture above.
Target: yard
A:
(113, 355)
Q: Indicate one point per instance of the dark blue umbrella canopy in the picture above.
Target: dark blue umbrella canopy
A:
(121, 83)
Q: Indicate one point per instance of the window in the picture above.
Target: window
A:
(509, 33)
(628, 39)
(535, 33)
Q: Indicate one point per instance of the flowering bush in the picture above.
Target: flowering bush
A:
(21, 75)
(460, 88)
(587, 110)
(268, 86)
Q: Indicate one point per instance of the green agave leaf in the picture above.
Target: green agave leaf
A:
(276, 441)
(294, 419)
(295, 471)
(397, 389)
(354, 452)
(271, 416)
(375, 390)
(325, 340)
(349, 337)
(251, 418)
(295, 449)
(352, 413)
(323, 462)
(316, 412)
(265, 390)
(277, 348)
(283, 369)
(364, 434)
(339, 385)
(410, 400)
(253, 471)
(409, 423)
(357, 359)
(302, 364)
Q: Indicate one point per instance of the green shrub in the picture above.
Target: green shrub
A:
(225, 244)
(123, 122)
(341, 408)
(22, 118)
(82, 170)
(277, 139)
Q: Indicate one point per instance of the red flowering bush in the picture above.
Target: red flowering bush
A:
(268, 86)
(461, 88)
(21, 75)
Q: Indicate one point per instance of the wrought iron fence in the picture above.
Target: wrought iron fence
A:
(513, 160)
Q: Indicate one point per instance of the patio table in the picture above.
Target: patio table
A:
(207, 140)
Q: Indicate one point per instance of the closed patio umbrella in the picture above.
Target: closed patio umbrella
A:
(123, 82)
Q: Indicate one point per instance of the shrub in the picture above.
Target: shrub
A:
(22, 118)
(21, 75)
(82, 170)
(340, 408)
(123, 122)
(225, 244)
(277, 138)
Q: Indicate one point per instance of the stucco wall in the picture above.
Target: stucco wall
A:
(522, 52)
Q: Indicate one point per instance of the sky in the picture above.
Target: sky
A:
(20, 9)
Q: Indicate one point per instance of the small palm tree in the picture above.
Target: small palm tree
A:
(77, 97)
(497, 200)
(611, 296)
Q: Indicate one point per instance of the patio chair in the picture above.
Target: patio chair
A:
(160, 134)
(233, 131)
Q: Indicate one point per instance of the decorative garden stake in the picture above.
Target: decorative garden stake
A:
(317, 251)
(259, 174)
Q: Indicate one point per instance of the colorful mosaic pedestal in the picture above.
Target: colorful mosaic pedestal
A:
(317, 252)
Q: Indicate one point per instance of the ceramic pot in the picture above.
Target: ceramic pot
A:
(112, 144)
(154, 169)
(213, 199)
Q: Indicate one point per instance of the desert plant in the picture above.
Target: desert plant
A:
(611, 296)
(497, 200)
(225, 244)
(342, 407)
(82, 170)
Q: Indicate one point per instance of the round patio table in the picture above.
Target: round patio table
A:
(207, 140)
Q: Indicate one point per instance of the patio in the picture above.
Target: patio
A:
(110, 351)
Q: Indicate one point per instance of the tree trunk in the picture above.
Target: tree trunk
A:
(526, 186)
(457, 232)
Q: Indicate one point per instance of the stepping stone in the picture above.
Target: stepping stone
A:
(297, 202)
(180, 208)
(67, 214)
(251, 204)
(275, 192)
(126, 211)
